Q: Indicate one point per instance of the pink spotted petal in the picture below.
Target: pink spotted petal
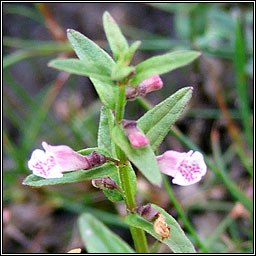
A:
(169, 161)
(186, 168)
(44, 165)
(191, 169)
(66, 158)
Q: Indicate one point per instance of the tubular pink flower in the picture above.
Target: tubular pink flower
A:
(55, 160)
(148, 85)
(136, 138)
(186, 168)
(151, 84)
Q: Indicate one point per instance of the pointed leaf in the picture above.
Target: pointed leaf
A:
(129, 54)
(78, 67)
(106, 91)
(133, 179)
(113, 195)
(178, 242)
(88, 51)
(156, 123)
(161, 64)
(104, 132)
(143, 157)
(116, 40)
(104, 170)
(104, 135)
(98, 238)
(119, 71)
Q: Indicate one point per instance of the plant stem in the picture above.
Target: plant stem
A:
(138, 234)
(120, 104)
(126, 187)
(154, 246)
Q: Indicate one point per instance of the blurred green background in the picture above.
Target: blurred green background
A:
(40, 103)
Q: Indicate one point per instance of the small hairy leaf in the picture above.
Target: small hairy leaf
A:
(113, 195)
(129, 54)
(106, 91)
(88, 51)
(120, 71)
(156, 123)
(143, 157)
(104, 170)
(78, 67)
(177, 242)
(104, 134)
(161, 64)
(116, 40)
(98, 238)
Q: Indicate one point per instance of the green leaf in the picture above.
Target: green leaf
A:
(142, 157)
(88, 151)
(117, 41)
(87, 50)
(113, 195)
(178, 242)
(104, 170)
(161, 64)
(105, 142)
(98, 238)
(104, 135)
(78, 67)
(104, 132)
(119, 72)
(133, 179)
(106, 92)
(129, 54)
(156, 123)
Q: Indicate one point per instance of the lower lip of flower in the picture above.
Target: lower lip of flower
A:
(44, 168)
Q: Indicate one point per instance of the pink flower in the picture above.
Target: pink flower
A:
(55, 160)
(136, 138)
(151, 84)
(186, 168)
(148, 85)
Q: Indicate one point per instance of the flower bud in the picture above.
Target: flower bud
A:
(104, 183)
(147, 211)
(136, 138)
(148, 85)
(96, 159)
(161, 227)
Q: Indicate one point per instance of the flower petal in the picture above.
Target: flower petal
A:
(169, 161)
(186, 168)
(66, 158)
(191, 169)
(44, 165)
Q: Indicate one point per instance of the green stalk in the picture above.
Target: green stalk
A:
(241, 84)
(154, 246)
(138, 234)
(120, 105)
